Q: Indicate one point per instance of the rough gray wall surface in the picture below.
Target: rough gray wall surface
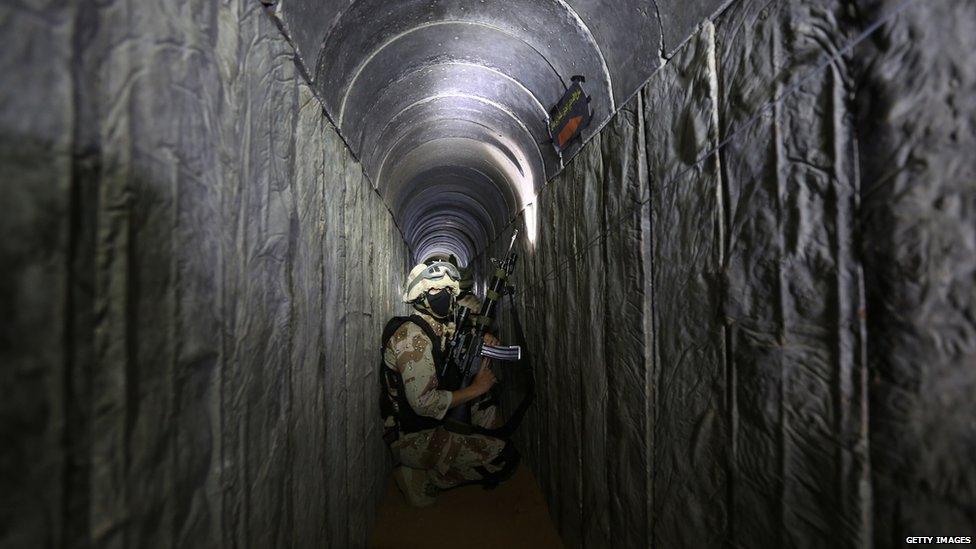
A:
(750, 306)
(919, 222)
(193, 271)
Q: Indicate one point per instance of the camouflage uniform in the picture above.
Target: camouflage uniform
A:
(449, 458)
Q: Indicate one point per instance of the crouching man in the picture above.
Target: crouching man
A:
(420, 385)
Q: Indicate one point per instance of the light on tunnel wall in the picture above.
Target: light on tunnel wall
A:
(524, 182)
(530, 222)
(526, 190)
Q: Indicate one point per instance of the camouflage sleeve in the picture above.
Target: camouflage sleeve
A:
(415, 362)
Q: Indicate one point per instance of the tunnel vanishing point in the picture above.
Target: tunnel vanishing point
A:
(749, 289)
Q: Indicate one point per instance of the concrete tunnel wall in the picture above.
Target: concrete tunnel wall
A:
(193, 274)
(749, 304)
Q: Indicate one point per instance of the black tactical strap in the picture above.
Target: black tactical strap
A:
(508, 459)
(440, 355)
(506, 430)
(484, 321)
(386, 404)
(407, 419)
(435, 339)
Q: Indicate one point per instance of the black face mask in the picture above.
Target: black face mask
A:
(441, 303)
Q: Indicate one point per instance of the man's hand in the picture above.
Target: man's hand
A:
(483, 380)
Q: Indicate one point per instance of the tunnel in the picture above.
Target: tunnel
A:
(745, 291)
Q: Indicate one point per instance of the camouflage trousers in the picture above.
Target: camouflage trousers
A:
(451, 458)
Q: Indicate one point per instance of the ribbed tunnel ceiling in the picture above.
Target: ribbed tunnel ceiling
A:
(445, 101)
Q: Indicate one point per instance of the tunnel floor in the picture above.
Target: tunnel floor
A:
(512, 515)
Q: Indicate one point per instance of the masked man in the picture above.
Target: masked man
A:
(421, 385)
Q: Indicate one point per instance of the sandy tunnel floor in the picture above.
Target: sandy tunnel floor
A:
(512, 515)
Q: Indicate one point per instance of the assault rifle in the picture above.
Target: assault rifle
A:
(468, 347)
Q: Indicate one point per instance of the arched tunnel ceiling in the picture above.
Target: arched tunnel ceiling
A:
(445, 101)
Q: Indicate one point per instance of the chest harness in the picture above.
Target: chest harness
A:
(393, 396)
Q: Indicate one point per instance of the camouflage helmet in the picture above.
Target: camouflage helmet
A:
(436, 276)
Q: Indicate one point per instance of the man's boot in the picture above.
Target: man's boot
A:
(415, 486)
